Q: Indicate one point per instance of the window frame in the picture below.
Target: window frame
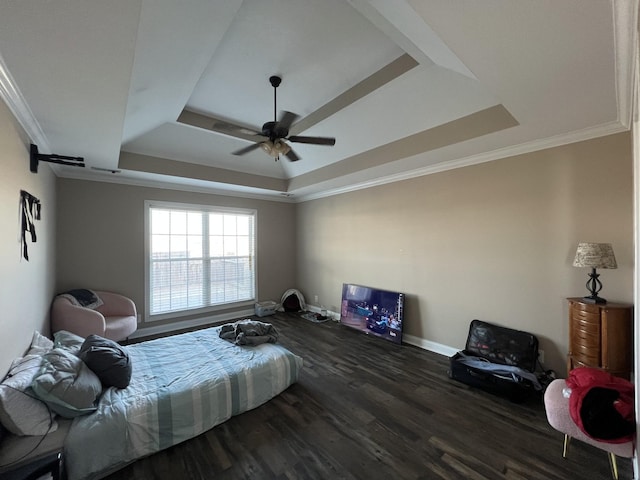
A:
(191, 312)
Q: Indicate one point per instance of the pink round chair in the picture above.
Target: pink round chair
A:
(557, 408)
(115, 319)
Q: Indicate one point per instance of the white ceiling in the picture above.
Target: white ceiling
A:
(407, 87)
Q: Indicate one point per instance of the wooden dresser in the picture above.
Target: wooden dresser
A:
(601, 336)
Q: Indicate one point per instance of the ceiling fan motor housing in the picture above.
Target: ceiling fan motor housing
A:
(274, 131)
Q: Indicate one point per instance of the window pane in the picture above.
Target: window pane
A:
(245, 279)
(178, 222)
(179, 285)
(215, 223)
(229, 225)
(195, 298)
(243, 225)
(217, 281)
(216, 246)
(194, 223)
(195, 246)
(230, 247)
(178, 246)
(160, 287)
(243, 246)
(160, 246)
(160, 221)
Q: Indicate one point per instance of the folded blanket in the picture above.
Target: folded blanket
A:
(83, 297)
(249, 332)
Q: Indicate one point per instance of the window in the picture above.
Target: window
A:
(199, 257)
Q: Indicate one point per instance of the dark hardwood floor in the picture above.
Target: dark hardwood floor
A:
(364, 408)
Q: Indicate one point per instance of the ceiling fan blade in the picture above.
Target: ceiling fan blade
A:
(292, 156)
(286, 120)
(246, 149)
(231, 128)
(313, 140)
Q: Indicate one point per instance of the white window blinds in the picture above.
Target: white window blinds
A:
(199, 257)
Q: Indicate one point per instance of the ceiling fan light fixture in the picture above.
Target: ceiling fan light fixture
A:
(267, 147)
(281, 147)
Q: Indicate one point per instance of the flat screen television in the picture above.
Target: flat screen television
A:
(373, 311)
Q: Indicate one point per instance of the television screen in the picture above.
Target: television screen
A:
(373, 311)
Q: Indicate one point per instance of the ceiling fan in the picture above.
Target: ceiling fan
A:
(276, 132)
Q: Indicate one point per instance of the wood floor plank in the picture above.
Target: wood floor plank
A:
(365, 408)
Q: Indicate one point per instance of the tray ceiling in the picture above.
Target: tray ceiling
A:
(406, 87)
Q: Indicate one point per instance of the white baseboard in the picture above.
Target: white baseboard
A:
(406, 338)
(198, 322)
(429, 345)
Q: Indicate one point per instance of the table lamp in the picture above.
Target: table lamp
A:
(594, 255)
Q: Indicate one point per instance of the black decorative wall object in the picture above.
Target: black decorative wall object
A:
(30, 210)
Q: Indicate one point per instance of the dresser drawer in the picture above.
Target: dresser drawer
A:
(584, 328)
(591, 308)
(588, 348)
(585, 317)
(585, 339)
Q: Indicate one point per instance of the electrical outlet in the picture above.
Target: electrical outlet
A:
(315, 299)
(541, 356)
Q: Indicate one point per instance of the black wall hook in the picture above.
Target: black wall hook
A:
(36, 157)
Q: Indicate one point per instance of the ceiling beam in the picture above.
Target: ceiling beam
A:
(373, 82)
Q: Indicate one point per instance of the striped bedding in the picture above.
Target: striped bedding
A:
(181, 387)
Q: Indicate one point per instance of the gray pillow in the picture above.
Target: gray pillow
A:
(66, 384)
(108, 360)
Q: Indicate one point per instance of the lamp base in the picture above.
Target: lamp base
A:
(593, 299)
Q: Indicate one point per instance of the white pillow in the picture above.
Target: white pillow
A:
(40, 344)
(20, 411)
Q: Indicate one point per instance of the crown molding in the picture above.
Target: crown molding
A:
(534, 146)
(16, 102)
(78, 174)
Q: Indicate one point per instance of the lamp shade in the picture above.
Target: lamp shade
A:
(595, 255)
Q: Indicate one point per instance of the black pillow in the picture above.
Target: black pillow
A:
(108, 360)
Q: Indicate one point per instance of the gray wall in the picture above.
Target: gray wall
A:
(493, 241)
(27, 286)
(101, 238)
